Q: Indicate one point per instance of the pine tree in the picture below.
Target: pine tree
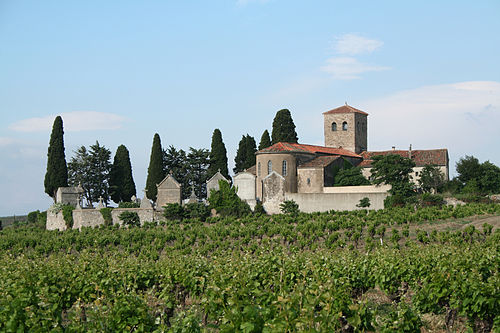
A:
(245, 155)
(57, 170)
(155, 169)
(265, 140)
(284, 128)
(218, 155)
(121, 181)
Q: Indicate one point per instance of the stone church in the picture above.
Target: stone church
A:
(305, 173)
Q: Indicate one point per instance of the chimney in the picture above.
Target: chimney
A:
(393, 148)
(409, 152)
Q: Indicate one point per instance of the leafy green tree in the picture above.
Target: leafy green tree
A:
(350, 177)
(489, 182)
(265, 140)
(468, 168)
(245, 155)
(198, 162)
(57, 170)
(218, 155)
(226, 202)
(155, 169)
(90, 168)
(284, 128)
(121, 181)
(478, 178)
(394, 170)
(431, 178)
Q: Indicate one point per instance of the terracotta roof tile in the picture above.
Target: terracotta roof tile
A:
(319, 162)
(420, 157)
(285, 147)
(345, 109)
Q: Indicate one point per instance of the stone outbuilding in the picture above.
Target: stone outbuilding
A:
(213, 182)
(169, 191)
(244, 182)
(69, 195)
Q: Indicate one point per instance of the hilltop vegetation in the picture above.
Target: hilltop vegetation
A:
(387, 270)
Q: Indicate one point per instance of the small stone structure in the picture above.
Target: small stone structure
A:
(213, 182)
(169, 191)
(69, 195)
(274, 192)
(245, 187)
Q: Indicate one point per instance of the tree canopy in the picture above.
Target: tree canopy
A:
(478, 178)
(57, 170)
(431, 179)
(155, 169)
(245, 155)
(395, 170)
(121, 181)
(90, 168)
(218, 155)
(350, 177)
(265, 140)
(284, 128)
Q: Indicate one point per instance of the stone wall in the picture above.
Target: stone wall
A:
(213, 183)
(340, 198)
(245, 185)
(93, 217)
(274, 192)
(55, 221)
(310, 180)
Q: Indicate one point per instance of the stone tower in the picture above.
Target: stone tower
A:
(346, 127)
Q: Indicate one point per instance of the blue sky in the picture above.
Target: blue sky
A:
(427, 72)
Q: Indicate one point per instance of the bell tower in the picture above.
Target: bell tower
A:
(346, 127)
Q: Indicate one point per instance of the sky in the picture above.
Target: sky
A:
(427, 72)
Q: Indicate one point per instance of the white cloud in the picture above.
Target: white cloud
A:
(5, 141)
(73, 122)
(463, 117)
(352, 44)
(348, 68)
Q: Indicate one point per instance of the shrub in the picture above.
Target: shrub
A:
(173, 211)
(197, 210)
(226, 202)
(106, 215)
(32, 217)
(259, 209)
(364, 203)
(428, 199)
(67, 211)
(130, 219)
(128, 204)
(289, 207)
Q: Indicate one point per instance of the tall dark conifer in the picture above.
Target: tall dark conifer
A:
(265, 140)
(284, 128)
(155, 169)
(121, 181)
(218, 155)
(245, 155)
(57, 170)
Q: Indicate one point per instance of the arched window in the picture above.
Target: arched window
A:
(344, 126)
(334, 126)
(269, 167)
(258, 169)
(283, 168)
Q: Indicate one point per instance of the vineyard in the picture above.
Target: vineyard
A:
(388, 270)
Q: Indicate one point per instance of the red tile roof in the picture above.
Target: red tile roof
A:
(285, 147)
(319, 162)
(420, 157)
(345, 109)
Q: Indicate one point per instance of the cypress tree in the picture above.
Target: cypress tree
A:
(121, 181)
(155, 169)
(57, 170)
(265, 140)
(250, 152)
(284, 128)
(218, 155)
(245, 155)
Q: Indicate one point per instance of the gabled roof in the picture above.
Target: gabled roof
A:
(216, 177)
(319, 162)
(170, 180)
(286, 147)
(420, 157)
(345, 109)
